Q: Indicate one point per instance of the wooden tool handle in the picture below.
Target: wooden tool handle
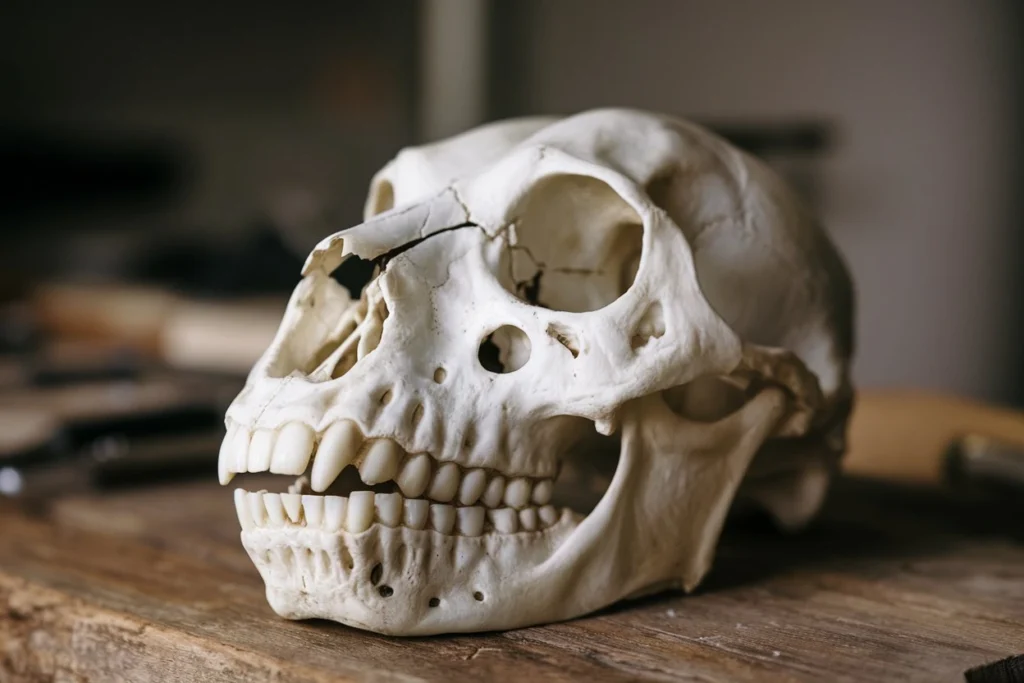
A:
(904, 435)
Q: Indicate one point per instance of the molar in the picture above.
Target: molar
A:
(528, 519)
(517, 493)
(542, 492)
(548, 515)
(445, 483)
(338, 448)
(504, 520)
(293, 448)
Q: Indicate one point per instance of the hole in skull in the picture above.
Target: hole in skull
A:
(434, 602)
(577, 247)
(478, 596)
(651, 326)
(505, 350)
(386, 591)
(385, 398)
(439, 375)
(566, 337)
(705, 399)
(376, 573)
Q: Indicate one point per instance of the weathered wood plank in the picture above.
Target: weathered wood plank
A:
(893, 583)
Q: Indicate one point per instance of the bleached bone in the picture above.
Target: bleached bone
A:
(540, 283)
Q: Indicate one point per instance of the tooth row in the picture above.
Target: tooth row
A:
(361, 509)
(288, 451)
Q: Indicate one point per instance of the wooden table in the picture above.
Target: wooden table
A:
(895, 582)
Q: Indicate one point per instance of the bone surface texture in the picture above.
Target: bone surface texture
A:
(616, 301)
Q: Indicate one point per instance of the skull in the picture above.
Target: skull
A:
(549, 294)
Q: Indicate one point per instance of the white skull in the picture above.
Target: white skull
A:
(637, 275)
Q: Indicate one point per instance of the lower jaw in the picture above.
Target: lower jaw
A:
(402, 581)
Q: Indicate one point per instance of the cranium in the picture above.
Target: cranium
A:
(546, 290)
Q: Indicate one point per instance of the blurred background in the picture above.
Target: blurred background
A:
(169, 165)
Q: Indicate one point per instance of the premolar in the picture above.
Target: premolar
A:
(415, 476)
(380, 463)
(445, 483)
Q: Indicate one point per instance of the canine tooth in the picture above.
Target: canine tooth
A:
(472, 487)
(338, 448)
(334, 512)
(240, 450)
(416, 513)
(293, 448)
(517, 493)
(542, 492)
(225, 458)
(242, 508)
(292, 505)
(494, 492)
(257, 509)
(470, 521)
(528, 519)
(275, 509)
(360, 511)
(505, 520)
(260, 450)
(389, 508)
(548, 515)
(442, 518)
(415, 476)
(313, 509)
(381, 462)
(445, 483)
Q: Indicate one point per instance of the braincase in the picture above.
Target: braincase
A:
(765, 267)
(763, 263)
(417, 172)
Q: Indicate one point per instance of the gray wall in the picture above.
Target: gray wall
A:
(917, 193)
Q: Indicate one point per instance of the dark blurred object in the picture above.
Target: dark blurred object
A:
(1009, 670)
(47, 172)
(258, 261)
(982, 464)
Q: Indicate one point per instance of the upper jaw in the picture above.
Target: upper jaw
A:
(296, 449)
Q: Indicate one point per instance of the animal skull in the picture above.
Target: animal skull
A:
(646, 286)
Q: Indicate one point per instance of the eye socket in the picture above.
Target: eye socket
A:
(505, 350)
(578, 245)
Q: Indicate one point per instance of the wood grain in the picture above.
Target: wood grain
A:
(895, 582)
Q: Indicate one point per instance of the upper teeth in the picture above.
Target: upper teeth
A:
(288, 450)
